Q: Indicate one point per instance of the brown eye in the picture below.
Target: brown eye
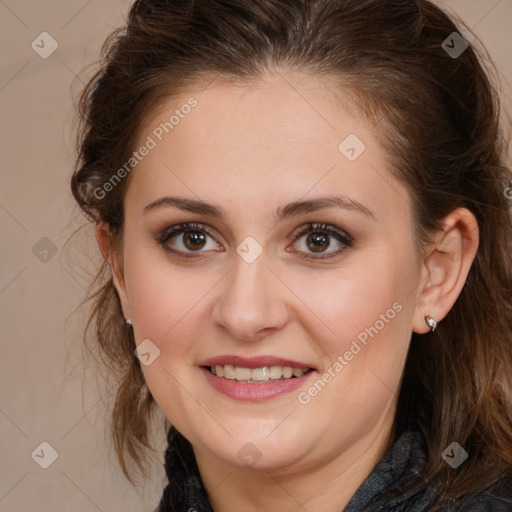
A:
(319, 238)
(186, 239)
(194, 240)
(317, 242)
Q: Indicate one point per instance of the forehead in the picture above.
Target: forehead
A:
(280, 138)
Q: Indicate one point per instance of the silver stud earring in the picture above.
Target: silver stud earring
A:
(431, 322)
(129, 321)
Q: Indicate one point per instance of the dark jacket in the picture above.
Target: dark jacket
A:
(400, 465)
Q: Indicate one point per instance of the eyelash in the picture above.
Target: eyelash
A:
(163, 236)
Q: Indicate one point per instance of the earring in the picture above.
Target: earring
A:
(129, 321)
(431, 322)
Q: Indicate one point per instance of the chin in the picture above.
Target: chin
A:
(252, 449)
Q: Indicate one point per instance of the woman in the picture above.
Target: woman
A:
(304, 207)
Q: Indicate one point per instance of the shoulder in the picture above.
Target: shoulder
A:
(497, 498)
(489, 505)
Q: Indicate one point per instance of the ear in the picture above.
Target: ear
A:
(445, 267)
(104, 238)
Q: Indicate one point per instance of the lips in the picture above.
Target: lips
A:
(244, 381)
(260, 392)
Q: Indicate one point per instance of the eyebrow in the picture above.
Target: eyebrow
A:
(283, 212)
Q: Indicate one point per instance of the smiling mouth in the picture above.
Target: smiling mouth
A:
(257, 375)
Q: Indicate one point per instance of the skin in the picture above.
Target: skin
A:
(249, 150)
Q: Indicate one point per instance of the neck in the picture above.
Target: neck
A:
(325, 485)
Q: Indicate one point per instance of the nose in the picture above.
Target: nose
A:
(251, 303)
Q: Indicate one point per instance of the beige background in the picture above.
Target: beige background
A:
(47, 394)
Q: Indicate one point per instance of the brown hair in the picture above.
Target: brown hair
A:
(439, 120)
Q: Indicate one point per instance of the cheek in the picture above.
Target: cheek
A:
(364, 333)
(359, 303)
(363, 350)
(164, 297)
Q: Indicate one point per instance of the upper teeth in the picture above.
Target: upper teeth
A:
(257, 374)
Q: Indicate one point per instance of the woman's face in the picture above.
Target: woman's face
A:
(245, 288)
